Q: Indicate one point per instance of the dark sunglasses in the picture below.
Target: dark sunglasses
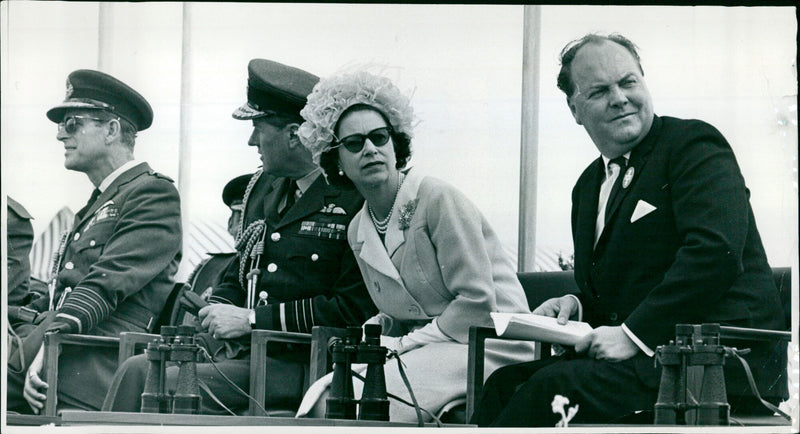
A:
(70, 123)
(355, 143)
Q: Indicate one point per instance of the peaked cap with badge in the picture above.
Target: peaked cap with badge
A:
(95, 90)
(274, 87)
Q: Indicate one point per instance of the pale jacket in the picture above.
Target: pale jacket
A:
(443, 269)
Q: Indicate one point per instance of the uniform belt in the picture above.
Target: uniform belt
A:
(136, 314)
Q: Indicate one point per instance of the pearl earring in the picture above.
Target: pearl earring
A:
(341, 172)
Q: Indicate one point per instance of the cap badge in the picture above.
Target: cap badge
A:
(626, 181)
(69, 89)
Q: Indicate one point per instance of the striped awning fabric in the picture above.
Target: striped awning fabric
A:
(46, 244)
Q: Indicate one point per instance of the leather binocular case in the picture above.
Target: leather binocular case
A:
(175, 344)
(694, 357)
(374, 404)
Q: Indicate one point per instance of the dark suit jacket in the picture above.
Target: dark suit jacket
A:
(121, 255)
(695, 258)
(308, 271)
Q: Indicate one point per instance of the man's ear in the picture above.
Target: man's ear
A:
(291, 129)
(114, 130)
(574, 110)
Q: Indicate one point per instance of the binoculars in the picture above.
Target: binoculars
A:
(175, 344)
(349, 349)
(695, 354)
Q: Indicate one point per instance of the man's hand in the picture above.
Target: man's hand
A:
(607, 343)
(33, 383)
(562, 308)
(225, 321)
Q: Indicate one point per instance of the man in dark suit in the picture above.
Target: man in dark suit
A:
(294, 268)
(115, 267)
(664, 235)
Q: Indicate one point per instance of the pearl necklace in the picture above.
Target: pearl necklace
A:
(382, 225)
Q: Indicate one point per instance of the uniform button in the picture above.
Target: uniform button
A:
(69, 265)
(613, 316)
(272, 268)
(77, 236)
(276, 236)
(92, 243)
(314, 257)
(262, 295)
(414, 310)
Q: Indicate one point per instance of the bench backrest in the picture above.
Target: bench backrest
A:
(540, 286)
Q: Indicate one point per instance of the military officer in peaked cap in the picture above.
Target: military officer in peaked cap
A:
(116, 266)
(209, 271)
(294, 268)
(233, 197)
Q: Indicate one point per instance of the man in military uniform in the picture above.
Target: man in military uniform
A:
(210, 270)
(22, 290)
(294, 270)
(116, 266)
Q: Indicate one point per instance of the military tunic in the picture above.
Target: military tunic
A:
(114, 275)
(308, 276)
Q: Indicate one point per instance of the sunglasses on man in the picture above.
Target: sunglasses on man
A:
(355, 142)
(70, 123)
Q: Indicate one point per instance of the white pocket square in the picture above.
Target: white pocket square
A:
(642, 209)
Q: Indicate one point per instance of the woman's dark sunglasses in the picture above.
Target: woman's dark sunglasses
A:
(355, 143)
(70, 123)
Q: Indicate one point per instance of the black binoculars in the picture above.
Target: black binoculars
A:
(349, 349)
(175, 344)
(695, 354)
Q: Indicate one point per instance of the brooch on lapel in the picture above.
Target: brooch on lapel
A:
(331, 208)
(407, 213)
(626, 181)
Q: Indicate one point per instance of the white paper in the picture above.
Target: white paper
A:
(538, 327)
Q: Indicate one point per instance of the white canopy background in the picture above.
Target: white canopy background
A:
(732, 67)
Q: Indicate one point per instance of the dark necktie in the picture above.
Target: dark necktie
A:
(291, 193)
(622, 162)
(89, 204)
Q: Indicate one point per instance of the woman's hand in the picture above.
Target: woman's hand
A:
(33, 383)
(392, 343)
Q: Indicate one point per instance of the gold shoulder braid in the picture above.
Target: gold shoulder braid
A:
(249, 246)
(247, 240)
(250, 185)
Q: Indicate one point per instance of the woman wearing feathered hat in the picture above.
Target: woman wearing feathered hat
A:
(432, 264)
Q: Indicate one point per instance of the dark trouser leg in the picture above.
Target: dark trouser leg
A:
(500, 387)
(15, 400)
(284, 384)
(604, 391)
(126, 388)
(84, 375)
(283, 391)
